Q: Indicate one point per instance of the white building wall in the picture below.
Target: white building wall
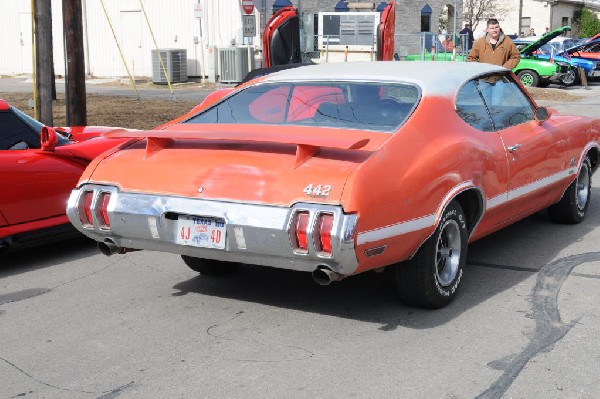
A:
(539, 12)
(509, 21)
(562, 12)
(542, 15)
(15, 28)
(173, 23)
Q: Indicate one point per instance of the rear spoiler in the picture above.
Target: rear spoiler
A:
(306, 145)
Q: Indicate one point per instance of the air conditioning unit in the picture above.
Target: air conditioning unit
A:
(234, 63)
(175, 63)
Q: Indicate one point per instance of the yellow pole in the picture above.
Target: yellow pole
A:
(120, 52)
(162, 64)
(33, 57)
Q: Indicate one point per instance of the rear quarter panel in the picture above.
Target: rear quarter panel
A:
(415, 175)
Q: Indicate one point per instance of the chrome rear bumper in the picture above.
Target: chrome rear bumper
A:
(255, 233)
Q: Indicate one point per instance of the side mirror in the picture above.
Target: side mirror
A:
(48, 139)
(541, 114)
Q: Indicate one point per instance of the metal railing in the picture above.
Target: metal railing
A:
(423, 46)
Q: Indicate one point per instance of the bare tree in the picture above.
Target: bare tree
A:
(476, 11)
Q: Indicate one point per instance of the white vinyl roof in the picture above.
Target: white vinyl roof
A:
(434, 77)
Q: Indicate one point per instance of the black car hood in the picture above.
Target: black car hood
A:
(533, 47)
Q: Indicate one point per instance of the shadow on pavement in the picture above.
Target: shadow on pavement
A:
(39, 257)
(495, 264)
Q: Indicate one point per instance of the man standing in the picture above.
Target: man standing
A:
(468, 33)
(495, 48)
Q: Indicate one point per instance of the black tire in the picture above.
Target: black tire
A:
(209, 267)
(573, 206)
(432, 277)
(544, 83)
(528, 78)
(571, 78)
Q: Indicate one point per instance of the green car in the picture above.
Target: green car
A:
(535, 67)
(531, 71)
(536, 72)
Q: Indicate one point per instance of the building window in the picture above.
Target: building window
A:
(565, 21)
(426, 18)
(525, 24)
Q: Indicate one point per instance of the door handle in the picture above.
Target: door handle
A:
(514, 148)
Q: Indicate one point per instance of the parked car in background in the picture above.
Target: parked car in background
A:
(588, 52)
(539, 48)
(39, 166)
(596, 36)
(532, 70)
(338, 171)
(561, 43)
(547, 52)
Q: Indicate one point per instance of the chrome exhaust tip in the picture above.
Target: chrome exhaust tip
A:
(108, 247)
(323, 275)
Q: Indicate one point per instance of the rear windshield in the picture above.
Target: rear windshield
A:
(348, 105)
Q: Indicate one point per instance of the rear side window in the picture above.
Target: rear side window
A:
(471, 108)
(350, 105)
(493, 102)
(507, 104)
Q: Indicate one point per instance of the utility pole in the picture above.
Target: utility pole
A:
(43, 61)
(75, 63)
(520, 25)
(454, 27)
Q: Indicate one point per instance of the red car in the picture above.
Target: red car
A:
(37, 178)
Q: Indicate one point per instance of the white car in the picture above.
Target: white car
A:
(560, 43)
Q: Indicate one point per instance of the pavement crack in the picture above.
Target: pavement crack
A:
(82, 277)
(23, 294)
(33, 292)
(223, 323)
(115, 392)
(504, 267)
(298, 349)
(40, 381)
(549, 328)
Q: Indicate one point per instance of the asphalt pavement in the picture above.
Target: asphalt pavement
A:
(587, 105)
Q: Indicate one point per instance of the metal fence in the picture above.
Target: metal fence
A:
(417, 46)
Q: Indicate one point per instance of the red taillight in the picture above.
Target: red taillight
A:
(85, 214)
(103, 200)
(301, 231)
(324, 227)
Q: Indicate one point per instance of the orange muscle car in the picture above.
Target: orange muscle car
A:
(338, 169)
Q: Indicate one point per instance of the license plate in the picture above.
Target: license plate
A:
(200, 231)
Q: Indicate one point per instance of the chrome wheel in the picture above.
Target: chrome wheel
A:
(448, 251)
(573, 205)
(569, 78)
(432, 277)
(527, 80)
(583, 186)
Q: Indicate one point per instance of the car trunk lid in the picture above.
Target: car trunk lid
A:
(253, 163)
